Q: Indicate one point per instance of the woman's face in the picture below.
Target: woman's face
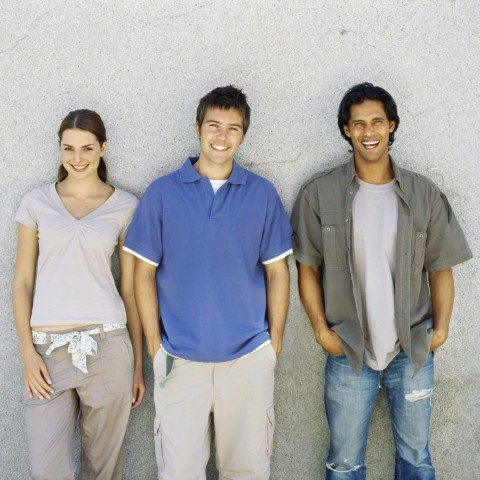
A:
(80, 153)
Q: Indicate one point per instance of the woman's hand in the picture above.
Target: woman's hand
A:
(138, 390)
(37, 379)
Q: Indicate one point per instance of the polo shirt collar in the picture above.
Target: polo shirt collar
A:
(352, 174)
(189, 174)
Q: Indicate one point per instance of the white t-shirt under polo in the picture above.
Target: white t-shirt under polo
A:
(375, 215)
(74, 282)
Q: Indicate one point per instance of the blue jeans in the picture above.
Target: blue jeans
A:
(349, 402)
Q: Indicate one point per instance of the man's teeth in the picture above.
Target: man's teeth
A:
(370, 144)
(219, 147)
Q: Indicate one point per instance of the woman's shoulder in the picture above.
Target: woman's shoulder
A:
(125, 198)
(40, 193)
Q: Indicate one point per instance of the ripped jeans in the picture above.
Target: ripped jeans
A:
(349, 402)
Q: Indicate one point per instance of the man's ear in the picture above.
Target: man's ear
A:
(346, 131)
(392, 126)
(197, 129)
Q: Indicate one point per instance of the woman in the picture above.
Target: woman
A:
(76, 350)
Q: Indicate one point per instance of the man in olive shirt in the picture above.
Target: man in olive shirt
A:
(375, 246)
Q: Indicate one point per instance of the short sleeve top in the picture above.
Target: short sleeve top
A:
(74, 282)
(210, 249)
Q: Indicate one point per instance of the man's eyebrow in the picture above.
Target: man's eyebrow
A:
(216, 122)
(363, 120)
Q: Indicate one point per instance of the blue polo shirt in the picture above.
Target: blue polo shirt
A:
(209, 249)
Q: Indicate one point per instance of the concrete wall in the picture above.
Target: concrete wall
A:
(144, 65)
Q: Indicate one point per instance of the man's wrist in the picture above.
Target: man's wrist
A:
(153, 346)
(440, 334)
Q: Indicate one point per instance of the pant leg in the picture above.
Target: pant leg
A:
(51, 423)
(244, 415)
(410, 402)
(105, 394)
(349, 402)
(182, 418)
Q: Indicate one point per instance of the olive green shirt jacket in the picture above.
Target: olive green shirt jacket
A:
(429, 238)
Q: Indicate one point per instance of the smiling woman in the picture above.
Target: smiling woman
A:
(88, 122)
(80, 340)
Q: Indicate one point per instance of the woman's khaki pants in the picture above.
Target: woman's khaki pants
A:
(100, 399)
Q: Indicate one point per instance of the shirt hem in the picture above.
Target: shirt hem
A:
(219, 360)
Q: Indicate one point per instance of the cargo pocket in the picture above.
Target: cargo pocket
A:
(419, 253)
(335, 250)
(270, 429)
(157, 433)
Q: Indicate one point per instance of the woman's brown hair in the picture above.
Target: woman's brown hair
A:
(89, 121)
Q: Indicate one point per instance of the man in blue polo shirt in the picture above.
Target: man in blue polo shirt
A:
(212, 287)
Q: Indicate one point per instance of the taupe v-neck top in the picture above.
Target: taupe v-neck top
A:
(74, 282)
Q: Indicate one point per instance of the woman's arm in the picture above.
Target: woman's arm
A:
(127, 267)
(37, 379)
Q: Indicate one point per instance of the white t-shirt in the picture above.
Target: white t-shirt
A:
(375, 215)
(74, 282)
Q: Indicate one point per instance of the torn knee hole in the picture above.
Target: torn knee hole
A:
(418, 395)
(342, 468)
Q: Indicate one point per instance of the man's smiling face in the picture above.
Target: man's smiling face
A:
(369, 130)
(220, 134)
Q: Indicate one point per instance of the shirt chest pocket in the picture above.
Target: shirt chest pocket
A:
(418, 252)
(334, 247)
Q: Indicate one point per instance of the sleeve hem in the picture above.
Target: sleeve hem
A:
(278, 257)
(449, 263)
(141, 257)
(306, 259)
(33, 226)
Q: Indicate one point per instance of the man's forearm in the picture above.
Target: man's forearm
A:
(278, 293)
(311, 294)
(147, 304)
(442, 291)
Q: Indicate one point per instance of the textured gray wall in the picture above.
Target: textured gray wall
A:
(143, 66)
